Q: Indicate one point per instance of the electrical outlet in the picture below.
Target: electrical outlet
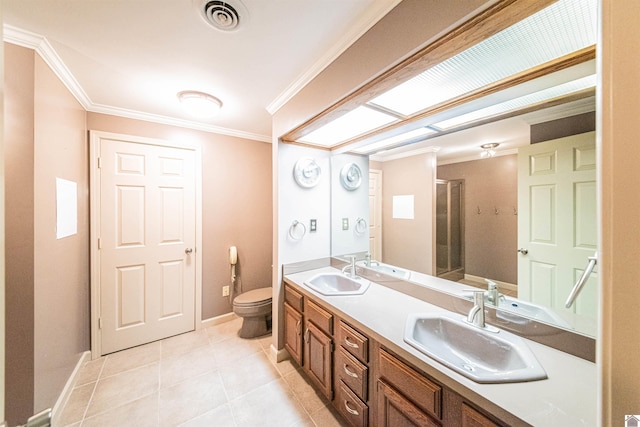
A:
(313, 225)
(225, 291)
(345, 223)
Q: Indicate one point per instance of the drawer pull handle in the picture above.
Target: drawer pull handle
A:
(348, 372)
(350, 343)
(349, 410)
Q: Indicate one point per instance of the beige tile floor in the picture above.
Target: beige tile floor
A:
(207, 378)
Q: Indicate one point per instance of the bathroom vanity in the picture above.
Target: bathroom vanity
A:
(352, 348)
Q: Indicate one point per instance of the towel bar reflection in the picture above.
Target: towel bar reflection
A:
(593, 260)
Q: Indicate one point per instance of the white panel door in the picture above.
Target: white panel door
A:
(375, 214)
(557, 221)
(147, 238)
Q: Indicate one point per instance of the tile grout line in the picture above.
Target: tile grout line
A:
(95, 386)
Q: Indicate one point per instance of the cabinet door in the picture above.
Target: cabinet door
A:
(394, 410)
(293, 333)
(318, 358)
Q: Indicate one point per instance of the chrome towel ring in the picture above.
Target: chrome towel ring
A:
(361, 225)
(294, 232)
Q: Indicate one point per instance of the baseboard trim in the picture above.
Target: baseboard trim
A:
(278, 355)
(503, 285)
(68, 388)
(223, 318)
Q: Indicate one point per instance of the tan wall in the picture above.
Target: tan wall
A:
(61, 265)
(490, 239)
(409, 243)
(236, 204)
(19, 238)
(619, 335)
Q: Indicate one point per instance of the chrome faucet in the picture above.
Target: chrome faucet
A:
(493, 294)
(476, 314)
(367, 259)
(352, 268)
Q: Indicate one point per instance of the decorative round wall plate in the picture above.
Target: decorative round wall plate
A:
(306, 172)
(351, 176)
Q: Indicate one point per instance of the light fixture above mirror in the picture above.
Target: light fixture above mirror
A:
(550, 61)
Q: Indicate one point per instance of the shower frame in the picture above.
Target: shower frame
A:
(450, 269)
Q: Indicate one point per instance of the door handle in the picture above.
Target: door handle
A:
(188, 251)
(523, 251)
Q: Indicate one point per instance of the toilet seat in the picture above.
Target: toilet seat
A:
(253, 298)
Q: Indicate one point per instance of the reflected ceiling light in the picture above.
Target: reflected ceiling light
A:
(403, 137)
(558, 30)
(350, 125)
(520, 102)
(488, 150)
(199, 104)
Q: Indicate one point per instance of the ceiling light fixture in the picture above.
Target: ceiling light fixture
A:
(199, 104)
(488, 150)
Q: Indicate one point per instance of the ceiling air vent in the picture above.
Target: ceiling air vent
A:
(224, 15)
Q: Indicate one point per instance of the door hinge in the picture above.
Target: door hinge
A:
(99, 243)
(99, 162)
(332, 346)
(99, 322)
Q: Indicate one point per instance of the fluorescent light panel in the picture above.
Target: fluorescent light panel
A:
(349, 125)
(523, 101)
(562, 28)
(407, 136)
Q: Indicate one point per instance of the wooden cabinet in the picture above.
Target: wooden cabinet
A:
(395, 410)
(473, 418)
(293, 333)
(318, 349)
(368, 384)
(399, 385)
(293, 306)
(352, 375)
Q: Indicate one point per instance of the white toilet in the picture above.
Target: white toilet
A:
(255, 309)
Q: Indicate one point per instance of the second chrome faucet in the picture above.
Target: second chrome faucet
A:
(476, 314)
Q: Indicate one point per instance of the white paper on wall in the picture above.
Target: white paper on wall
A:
(403, 207)
(66, 208)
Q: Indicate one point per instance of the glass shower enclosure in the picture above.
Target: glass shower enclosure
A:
(450, 229)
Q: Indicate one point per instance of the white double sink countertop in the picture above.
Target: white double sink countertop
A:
(568, 397)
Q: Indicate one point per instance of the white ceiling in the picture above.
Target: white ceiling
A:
(131, 57)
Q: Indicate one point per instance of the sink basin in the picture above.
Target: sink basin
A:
(485, 356)
(526, 309)
(391, 270)
(338, 284)
(534, 311)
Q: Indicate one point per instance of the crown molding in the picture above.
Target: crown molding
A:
(500, 153)
(48, 54)
(385, 158)
(157, 118)
(43, 48)
(368, 20)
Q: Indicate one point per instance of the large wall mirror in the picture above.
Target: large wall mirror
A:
(502, 217)
(499, 187)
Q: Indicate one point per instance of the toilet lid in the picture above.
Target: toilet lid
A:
(253, 297)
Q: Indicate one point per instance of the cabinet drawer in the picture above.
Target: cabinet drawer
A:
(421, 391)
(293, 298)
(354, 342)
(319, 316)
(353, 373)
(354, 410)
